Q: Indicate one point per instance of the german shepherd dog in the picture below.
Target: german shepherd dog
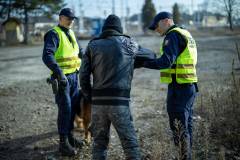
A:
(83, 118)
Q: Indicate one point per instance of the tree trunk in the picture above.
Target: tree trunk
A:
(230, 21)
(9, 9)
(25, 25)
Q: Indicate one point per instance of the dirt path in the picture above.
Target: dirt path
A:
(28, 113)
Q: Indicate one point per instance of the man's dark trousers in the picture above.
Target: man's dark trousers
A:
(67, 100)
(120, 117)
(180, 101)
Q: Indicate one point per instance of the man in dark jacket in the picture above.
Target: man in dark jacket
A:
(110, 59)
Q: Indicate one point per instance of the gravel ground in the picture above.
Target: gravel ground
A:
(28, 112)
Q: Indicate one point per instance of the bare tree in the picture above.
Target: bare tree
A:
(28, 7)
(230, 7)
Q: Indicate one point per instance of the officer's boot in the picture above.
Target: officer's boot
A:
(65, 148)
(75, 142)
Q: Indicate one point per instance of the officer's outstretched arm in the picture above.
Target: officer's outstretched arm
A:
(142, 56)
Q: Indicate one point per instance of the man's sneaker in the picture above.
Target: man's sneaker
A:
(65, 148)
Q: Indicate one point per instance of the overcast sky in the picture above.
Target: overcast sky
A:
(102, 8)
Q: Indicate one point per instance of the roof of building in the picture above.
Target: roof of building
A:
(13, 19)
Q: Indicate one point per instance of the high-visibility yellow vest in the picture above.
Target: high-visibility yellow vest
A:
(67, 52)
(185, 70)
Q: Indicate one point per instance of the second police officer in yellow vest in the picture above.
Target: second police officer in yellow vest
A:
(177, 65)
(61, 55)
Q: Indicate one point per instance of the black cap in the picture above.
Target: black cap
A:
(113, 22)
(68, 12)
(158, 17)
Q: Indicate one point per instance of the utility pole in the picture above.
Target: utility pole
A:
(139, 17)
(9, 5)
(73, 6)
(122, 16)
(81, 22)
(198, 15)
(192, 6)
(98, 8)
(127, 15)
(193, 17)
(105, 13)
(113, 6)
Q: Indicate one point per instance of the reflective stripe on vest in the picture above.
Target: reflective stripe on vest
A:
(185, 70)
(67, 52)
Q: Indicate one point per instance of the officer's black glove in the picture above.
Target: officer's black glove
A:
(138, 64)
(62, 81)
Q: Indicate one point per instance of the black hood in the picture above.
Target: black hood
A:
(112, 22)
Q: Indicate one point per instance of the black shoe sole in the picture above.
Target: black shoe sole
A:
(68, 154)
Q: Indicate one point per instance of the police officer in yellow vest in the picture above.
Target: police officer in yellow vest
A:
(61, 55)
(177, 65)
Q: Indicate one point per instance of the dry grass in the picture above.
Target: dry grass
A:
(216, 130)
(216, 133)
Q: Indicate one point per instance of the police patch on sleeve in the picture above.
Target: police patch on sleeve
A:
(166, 42)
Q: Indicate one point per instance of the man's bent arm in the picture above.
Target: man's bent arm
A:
(85, 74)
